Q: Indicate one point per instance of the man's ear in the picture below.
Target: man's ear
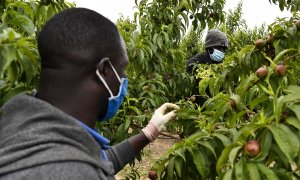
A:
(103, 65)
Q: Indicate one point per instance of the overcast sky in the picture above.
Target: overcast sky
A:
(255, 12)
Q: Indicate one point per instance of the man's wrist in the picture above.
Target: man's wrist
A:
(151, 131)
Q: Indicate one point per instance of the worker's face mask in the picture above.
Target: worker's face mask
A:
(217, 55)
(114, 102)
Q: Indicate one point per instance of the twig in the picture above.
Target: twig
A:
(291, 57)
(169, 135)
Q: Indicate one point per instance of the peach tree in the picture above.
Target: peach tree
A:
(157, 63)
(250, 125)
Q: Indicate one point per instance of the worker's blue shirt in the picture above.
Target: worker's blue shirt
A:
(99, 138)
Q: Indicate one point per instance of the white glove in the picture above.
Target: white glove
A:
(161, 116)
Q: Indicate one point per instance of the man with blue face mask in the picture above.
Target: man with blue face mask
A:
(52, 135)
(216, 42)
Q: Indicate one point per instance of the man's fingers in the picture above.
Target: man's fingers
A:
(171, 115)
(167, 107)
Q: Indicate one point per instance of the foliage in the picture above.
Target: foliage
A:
(290, 5)
(157, 60)
(265, 110)
(19, 60)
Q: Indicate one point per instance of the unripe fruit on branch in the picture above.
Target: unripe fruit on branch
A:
(261, 72)
(281, 70)
(252, 148)
(152, 175)
(234, 101)
(259, 44)
(146, 88)
(193, 98)
(233, 104)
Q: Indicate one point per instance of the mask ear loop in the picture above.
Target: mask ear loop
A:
(114, 71)
(103, 81)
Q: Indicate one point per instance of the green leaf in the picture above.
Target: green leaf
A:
(25, 23)
(234, 120)
(296, 109)
(245, 83)
(293, 94)
(211, 86)
(166, 37)
(200, 162)
(203, 85)
(284, 174)
(12, 73)
(178, 165)
(233, 154)
(223, 159)
(220, 107)
(286, 140)
(171, 168)
(10, 54)
(246, 131)
(266, 90)
(265, 146)
(258, 100)
(276, 153)
(27, 67)
(228, 175)
(180, 151)
(135, 109)
(282, 53)
(208, 145)
(26, 7)
(127, 124)
(240, 173)
(293, 122)
(225, 140)
(253, 171)
(266, 171)
(159, 42)
(154, 39)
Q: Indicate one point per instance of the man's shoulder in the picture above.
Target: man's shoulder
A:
(61, 170)
(202, 57)
(43, 134)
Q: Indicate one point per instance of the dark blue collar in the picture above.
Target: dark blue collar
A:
(99, 138)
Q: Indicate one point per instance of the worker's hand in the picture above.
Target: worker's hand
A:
(161, 116)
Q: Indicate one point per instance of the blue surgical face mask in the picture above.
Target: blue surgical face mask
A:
(114, 102)
(217, 55)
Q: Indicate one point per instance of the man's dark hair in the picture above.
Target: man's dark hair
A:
(77, 38)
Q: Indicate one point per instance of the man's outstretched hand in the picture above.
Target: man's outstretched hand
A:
(161, 116)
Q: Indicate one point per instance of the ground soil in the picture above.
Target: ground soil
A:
(152, 152)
